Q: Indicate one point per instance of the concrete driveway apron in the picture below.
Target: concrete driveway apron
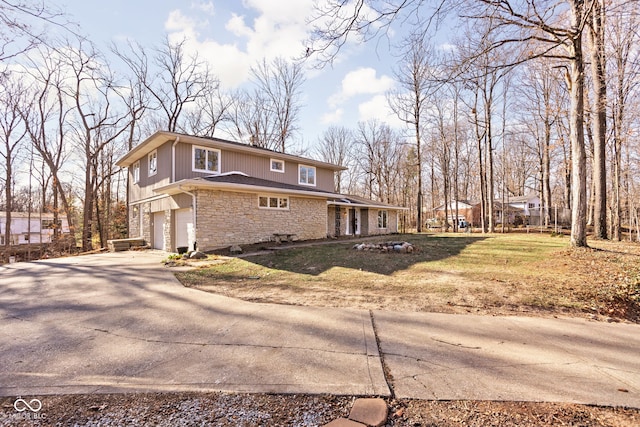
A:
(450, 357)
(121, 323)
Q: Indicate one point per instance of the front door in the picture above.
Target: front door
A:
(353, 226)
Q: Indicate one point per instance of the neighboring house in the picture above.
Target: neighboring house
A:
(209, 193)
(517, 208)
(40, 229)
(465, 212)
(530, 204)
(511, 213)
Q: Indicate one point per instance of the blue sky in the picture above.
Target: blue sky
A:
(235, 34)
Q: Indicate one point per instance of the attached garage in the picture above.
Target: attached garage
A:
(184, 236)
(158, 230)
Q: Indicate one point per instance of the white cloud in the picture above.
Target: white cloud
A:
(237, 26)
(362, 81)
(177, 21)
(206, 7)
(278, 29)
(378, 108)
(332, 117)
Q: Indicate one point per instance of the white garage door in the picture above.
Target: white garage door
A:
(158, 230)
(184, 227)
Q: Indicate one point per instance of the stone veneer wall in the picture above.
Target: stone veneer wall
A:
(372, 222)
(134, 221)
(167, 230)
(227, 218)
(145, 211)
(392, 222)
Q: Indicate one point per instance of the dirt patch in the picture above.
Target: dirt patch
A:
(249, 410)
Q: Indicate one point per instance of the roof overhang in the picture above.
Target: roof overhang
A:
(188, 185)
(366, 205)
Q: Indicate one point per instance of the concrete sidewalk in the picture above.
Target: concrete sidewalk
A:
(122, 323)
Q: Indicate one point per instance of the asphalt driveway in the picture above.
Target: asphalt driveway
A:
(121, 322)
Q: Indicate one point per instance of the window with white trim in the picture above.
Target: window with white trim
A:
(206, 159)
(383, 219)
(136, 172)
(153, 162)
(277, 165)
(306, 175)
(273, 202)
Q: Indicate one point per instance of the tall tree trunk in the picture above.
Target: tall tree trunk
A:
(419, 166)
(599, 174)
(546, 171)
(9, 207)
(490, 184)
(576, 120)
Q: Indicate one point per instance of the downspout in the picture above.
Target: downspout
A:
(193, 212)
(173, 159)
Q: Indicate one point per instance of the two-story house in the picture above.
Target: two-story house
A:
(210, 193)
(31, 228)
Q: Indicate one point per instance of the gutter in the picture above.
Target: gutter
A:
(240, 188)
(364, 205)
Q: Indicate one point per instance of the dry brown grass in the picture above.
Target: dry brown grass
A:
(453, 273)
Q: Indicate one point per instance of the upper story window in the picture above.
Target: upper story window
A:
(383, 219)
(532, 205)
(153, 162)
(277, 165)
(136, 172)
(306, 175)
(206, 159)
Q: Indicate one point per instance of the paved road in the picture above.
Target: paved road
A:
(121, 322)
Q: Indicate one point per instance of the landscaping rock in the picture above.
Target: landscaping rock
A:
(371, 411)
(235, 249)
(343, 422)
(398, 247)
(197, 255)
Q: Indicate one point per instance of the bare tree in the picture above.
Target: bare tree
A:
(251, 121)
(538, 27)
(624, 70)
(211, 109)
(12, 133)
(335, 146)
(22, 21)
(596, 38)
(97, 121)
(174, 80)
(536, 92)
(276, 103)
(415, 76)
(381, 151)
(45, 117)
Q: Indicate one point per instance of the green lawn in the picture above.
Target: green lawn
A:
(501, 273)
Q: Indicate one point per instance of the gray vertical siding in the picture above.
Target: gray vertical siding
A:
(147, 184)
(254, 165)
